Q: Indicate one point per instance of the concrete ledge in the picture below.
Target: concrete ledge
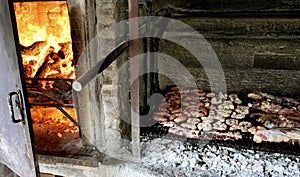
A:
(89, 168)
(80, 160)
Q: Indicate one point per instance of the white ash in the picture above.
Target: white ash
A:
(166, 157)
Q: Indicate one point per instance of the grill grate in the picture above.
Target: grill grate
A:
(59, 97)
(158, 131)
(245, 142)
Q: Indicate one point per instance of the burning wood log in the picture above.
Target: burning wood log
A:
(40, 73)
(62, 85)
(31, 65)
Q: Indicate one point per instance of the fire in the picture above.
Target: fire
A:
(41, 21)
(44, 33)
(51, 115)
(46, 50)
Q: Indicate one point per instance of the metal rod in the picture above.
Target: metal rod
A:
(51, 97)
(100, 66)
(59, 106)
(84, 79)
(52, 105)
(50, 79)
(134, 73)
(68, 116)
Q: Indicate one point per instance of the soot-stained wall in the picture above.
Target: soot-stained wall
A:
(257, 43)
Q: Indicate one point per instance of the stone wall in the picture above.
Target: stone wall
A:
(88, 18)
(256, 43)
(257, 52)
(98, 107)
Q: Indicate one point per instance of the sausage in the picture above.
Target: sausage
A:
(210, 95)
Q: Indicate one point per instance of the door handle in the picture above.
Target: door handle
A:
(18, 103)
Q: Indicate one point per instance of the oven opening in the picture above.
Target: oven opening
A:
(49, 69)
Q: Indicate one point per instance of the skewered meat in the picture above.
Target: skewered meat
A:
(206, 126)
(240, 116)
(207, 119)
(289, 102)
(222, 96)
(274, 105)
(184, 132)
(207, 105)
(219, 118)
(189, 126)
(277, 135)
(234, 135)
(180, 118)
(225, 113)
(210, 95)
(194, 111)
(254, 129)
(232, 97)
(168, 124)
(227, 105)
(231, 122)
(275, 121)
(174, 116)
(242, 109)
(178, 131)
(193, 120)
(219, 126)
(161, 116)
(280, 122)
(245, 126)
(179, 110)
(238, 101)
(163, 106)
(254, 96)
(273, 108)
(216, 101)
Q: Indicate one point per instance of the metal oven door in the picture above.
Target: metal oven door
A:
(16, 150)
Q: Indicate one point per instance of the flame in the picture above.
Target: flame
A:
(42, 21)
(46, 50)
(47, 25)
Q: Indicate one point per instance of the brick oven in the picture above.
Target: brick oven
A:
(95, 94)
